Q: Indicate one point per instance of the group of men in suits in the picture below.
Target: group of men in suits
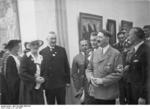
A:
(112, 72)
(101, 73)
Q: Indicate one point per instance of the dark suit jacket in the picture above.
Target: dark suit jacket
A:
(55, 67)
(138, 70)
(4, 97)
(13, 80)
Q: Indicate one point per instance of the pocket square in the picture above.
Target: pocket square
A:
(136, 60)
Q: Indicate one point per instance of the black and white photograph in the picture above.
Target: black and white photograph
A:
(74, 53)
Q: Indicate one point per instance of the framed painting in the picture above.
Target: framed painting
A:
(111, 27)
(127, 25)
(89, 23)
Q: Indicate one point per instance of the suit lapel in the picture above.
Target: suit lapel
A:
(138, 52)
(105, 56)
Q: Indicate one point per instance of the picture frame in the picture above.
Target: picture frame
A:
(127, 25)
(89, 23)
(111, 27)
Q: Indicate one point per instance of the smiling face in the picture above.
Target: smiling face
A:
(83, 45)
(121, 37)
(93, 41)
(132, 37)
(51, 39)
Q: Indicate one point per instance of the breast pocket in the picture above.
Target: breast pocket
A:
(107, 67)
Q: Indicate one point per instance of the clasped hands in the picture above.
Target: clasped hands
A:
(99, 81)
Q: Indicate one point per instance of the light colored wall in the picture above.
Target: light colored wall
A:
(45, 17)
(26, 10)
(131, 10)
(37, 18)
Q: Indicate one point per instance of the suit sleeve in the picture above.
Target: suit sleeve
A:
(24, 71)
(67, 68)
(113, 77)
(144, 72)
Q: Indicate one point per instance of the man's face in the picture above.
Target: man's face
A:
(93, 41)
(132, 37)
(147, 32)
(121, 38)
(102, 40)
(51, 40)
(84, 45)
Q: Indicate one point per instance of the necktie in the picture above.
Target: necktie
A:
(102, 51)
(130, 54)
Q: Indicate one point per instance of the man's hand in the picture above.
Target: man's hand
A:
(119, 68)
(141, 101)
(98, 81)
(93, 82)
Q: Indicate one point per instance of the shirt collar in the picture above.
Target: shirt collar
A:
(83, 53)
(51, 47)
(105, 48)
(138, 45)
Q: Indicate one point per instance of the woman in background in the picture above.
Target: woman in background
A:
(30, 89)
(11, 71)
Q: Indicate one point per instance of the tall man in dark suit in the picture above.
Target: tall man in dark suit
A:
(55, 69)
(137, 74)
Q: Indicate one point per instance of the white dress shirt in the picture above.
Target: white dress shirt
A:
(104, 49)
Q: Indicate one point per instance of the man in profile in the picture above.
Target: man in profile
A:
(137, 74)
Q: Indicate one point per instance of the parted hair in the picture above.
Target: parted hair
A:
(106, 33)
(139, 32)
